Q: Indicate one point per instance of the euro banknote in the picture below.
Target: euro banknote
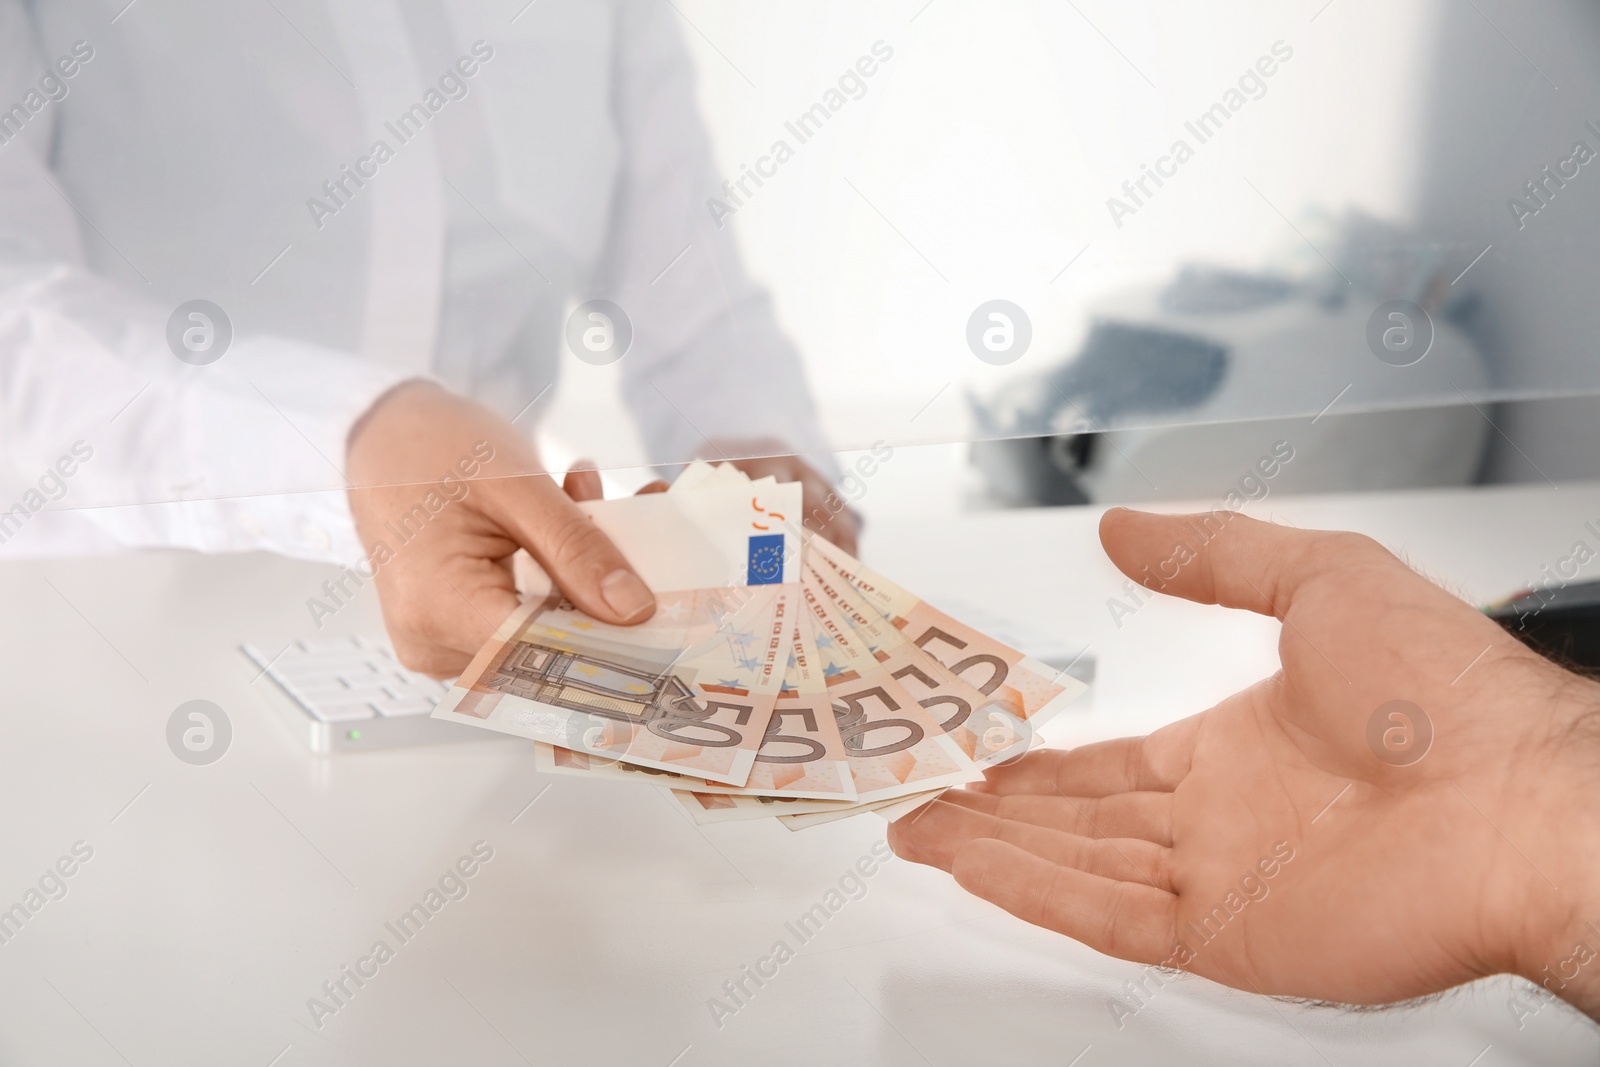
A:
(1030, 692)
(691, 689)
(779, 675)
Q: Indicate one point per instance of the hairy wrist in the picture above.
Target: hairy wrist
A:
(1562, 825)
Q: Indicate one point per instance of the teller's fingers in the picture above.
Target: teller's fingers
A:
(574, 552)
(1147, 816)
(1129, 920)
(835, 521)
(939, 835)
(1128, 764)
(657, 486)
(583, 482)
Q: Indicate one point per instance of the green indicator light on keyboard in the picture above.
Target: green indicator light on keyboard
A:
(354, 735)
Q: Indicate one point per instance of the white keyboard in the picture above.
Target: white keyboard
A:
(347, 693)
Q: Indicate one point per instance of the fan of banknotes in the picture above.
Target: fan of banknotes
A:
(779, 676)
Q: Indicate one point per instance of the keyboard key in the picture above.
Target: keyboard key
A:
(341, 646)
(352, 712)
(340, 680)
(395, 709)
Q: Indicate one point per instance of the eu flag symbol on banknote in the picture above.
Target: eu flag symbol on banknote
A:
(765, 563)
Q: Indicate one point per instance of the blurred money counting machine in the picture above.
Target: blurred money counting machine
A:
(1165, 399)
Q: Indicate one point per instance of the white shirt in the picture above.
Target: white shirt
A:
(186, 158)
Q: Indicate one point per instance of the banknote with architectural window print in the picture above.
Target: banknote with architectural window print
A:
(690, 690)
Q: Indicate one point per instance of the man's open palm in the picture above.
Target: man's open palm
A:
(1306, 836)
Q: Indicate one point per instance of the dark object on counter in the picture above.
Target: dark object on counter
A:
(1561, 622)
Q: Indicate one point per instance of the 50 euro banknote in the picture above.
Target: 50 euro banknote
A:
(801, 755)
(1027, 691)
(705, 808)
(1019, 693)
(986, 728)
(691, 689)
(894, 745)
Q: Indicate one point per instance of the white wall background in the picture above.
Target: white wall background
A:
(991, 141)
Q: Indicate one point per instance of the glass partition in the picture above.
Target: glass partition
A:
(1119, 249)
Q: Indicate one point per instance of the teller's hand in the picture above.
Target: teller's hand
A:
(441, 539)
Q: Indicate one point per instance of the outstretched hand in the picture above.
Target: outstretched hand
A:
(1309, 836)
